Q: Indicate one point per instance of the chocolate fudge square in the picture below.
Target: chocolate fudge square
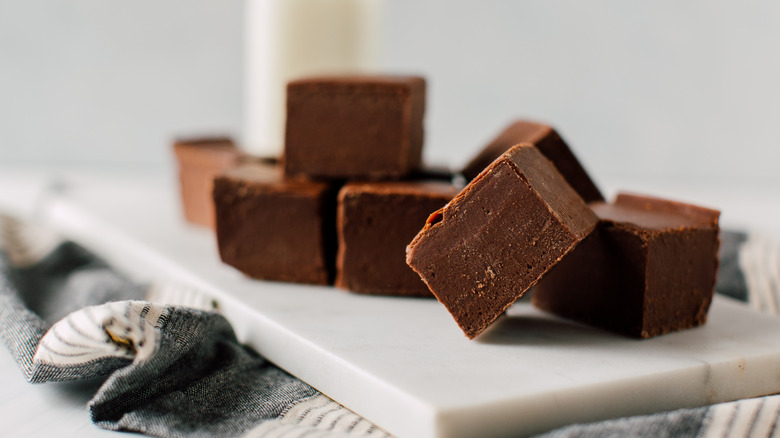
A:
(498, 236)
(200, 160)
(376, 221)
(276, 229)
(549, 143)
(359, 127)
(648, 269)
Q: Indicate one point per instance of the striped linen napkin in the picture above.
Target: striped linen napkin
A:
(173, 367)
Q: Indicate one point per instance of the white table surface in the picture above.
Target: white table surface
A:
(58, 409)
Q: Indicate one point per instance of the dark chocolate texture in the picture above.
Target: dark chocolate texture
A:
(648, 269)
(362, 127)
(376, 221)
(549, 143)
(276, 229)
(498, 236)
(200, 160)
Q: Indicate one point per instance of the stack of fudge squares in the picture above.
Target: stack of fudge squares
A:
(347, 197)
(350, 203)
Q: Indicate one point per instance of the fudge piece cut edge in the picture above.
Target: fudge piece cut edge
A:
(234, 187)
(430, 192)
(570, 233)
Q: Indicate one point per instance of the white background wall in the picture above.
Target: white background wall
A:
(109, 81)
(662, 88)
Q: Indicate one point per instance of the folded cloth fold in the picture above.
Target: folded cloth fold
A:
(198, 380)
(174, 370)
(170, 370)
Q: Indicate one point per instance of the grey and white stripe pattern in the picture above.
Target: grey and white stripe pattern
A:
(66, 315)
(317, 417)
(750, 418)
(759, 260)
(177, 294)
(753, 418)
(122, 329)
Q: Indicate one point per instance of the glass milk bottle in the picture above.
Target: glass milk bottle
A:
(288, 39)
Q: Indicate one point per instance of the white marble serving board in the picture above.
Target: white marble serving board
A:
(403, 363)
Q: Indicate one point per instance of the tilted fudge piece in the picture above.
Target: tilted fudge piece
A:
(498, 236)
(549, 143)
(276, 229)
(648, 269)
(359, 127)
(200, 160)
(376, 221)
